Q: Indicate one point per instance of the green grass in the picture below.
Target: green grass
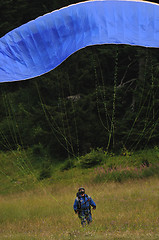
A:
(20, 172)
(126, 209)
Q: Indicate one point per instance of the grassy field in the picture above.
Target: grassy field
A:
(125, 189)
(128, 210)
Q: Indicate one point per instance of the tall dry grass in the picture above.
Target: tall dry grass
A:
(124, 211)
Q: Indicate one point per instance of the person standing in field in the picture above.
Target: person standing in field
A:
(82, 206)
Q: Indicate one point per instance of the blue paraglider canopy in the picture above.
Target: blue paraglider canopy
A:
(41, 45)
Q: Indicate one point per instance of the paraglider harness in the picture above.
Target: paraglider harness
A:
(87, 211)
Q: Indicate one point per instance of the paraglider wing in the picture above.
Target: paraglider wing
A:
(41, 45)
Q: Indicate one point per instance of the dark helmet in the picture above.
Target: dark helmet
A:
(81, 190)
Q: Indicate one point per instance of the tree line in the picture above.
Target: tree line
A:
(100, 97)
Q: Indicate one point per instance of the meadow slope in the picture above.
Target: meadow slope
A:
(128, 210)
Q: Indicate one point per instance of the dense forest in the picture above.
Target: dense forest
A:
(103, 96)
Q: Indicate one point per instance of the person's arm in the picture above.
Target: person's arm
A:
(92, 203)
(75, 205)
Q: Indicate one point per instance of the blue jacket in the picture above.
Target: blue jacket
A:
(83, 203)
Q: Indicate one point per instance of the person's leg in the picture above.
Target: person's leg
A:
(82, 218)
(89, 218)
